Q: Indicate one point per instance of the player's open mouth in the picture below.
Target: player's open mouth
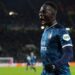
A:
(43, 22)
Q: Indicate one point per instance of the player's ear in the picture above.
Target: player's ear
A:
(54, 12)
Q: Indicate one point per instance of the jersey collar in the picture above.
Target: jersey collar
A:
(55, 23)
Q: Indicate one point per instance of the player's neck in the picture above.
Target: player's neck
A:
(53, 23)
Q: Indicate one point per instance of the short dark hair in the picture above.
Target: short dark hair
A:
(52, 4)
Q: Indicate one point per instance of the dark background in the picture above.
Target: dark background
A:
(23, 28)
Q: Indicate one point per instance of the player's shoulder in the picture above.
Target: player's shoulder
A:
(59, 26)
(61, 29)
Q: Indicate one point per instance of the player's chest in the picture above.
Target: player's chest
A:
(48, 36)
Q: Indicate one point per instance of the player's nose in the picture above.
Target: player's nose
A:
(41, 16)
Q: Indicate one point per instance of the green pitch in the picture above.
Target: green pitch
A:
(22, 71)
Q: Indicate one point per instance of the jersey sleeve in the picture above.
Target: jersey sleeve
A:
(66, 45)
(65, 38)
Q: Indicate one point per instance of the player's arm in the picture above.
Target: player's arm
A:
(67, 48)
(66, 57)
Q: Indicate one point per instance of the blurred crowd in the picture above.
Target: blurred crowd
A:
(18, 44)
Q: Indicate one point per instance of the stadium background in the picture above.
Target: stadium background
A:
(20, 30)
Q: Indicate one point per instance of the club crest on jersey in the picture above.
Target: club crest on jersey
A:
(49, 35)
(66, 37)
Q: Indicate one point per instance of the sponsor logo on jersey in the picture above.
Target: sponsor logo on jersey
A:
(43, 48)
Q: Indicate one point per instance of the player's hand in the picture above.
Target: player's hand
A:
(50, 68)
